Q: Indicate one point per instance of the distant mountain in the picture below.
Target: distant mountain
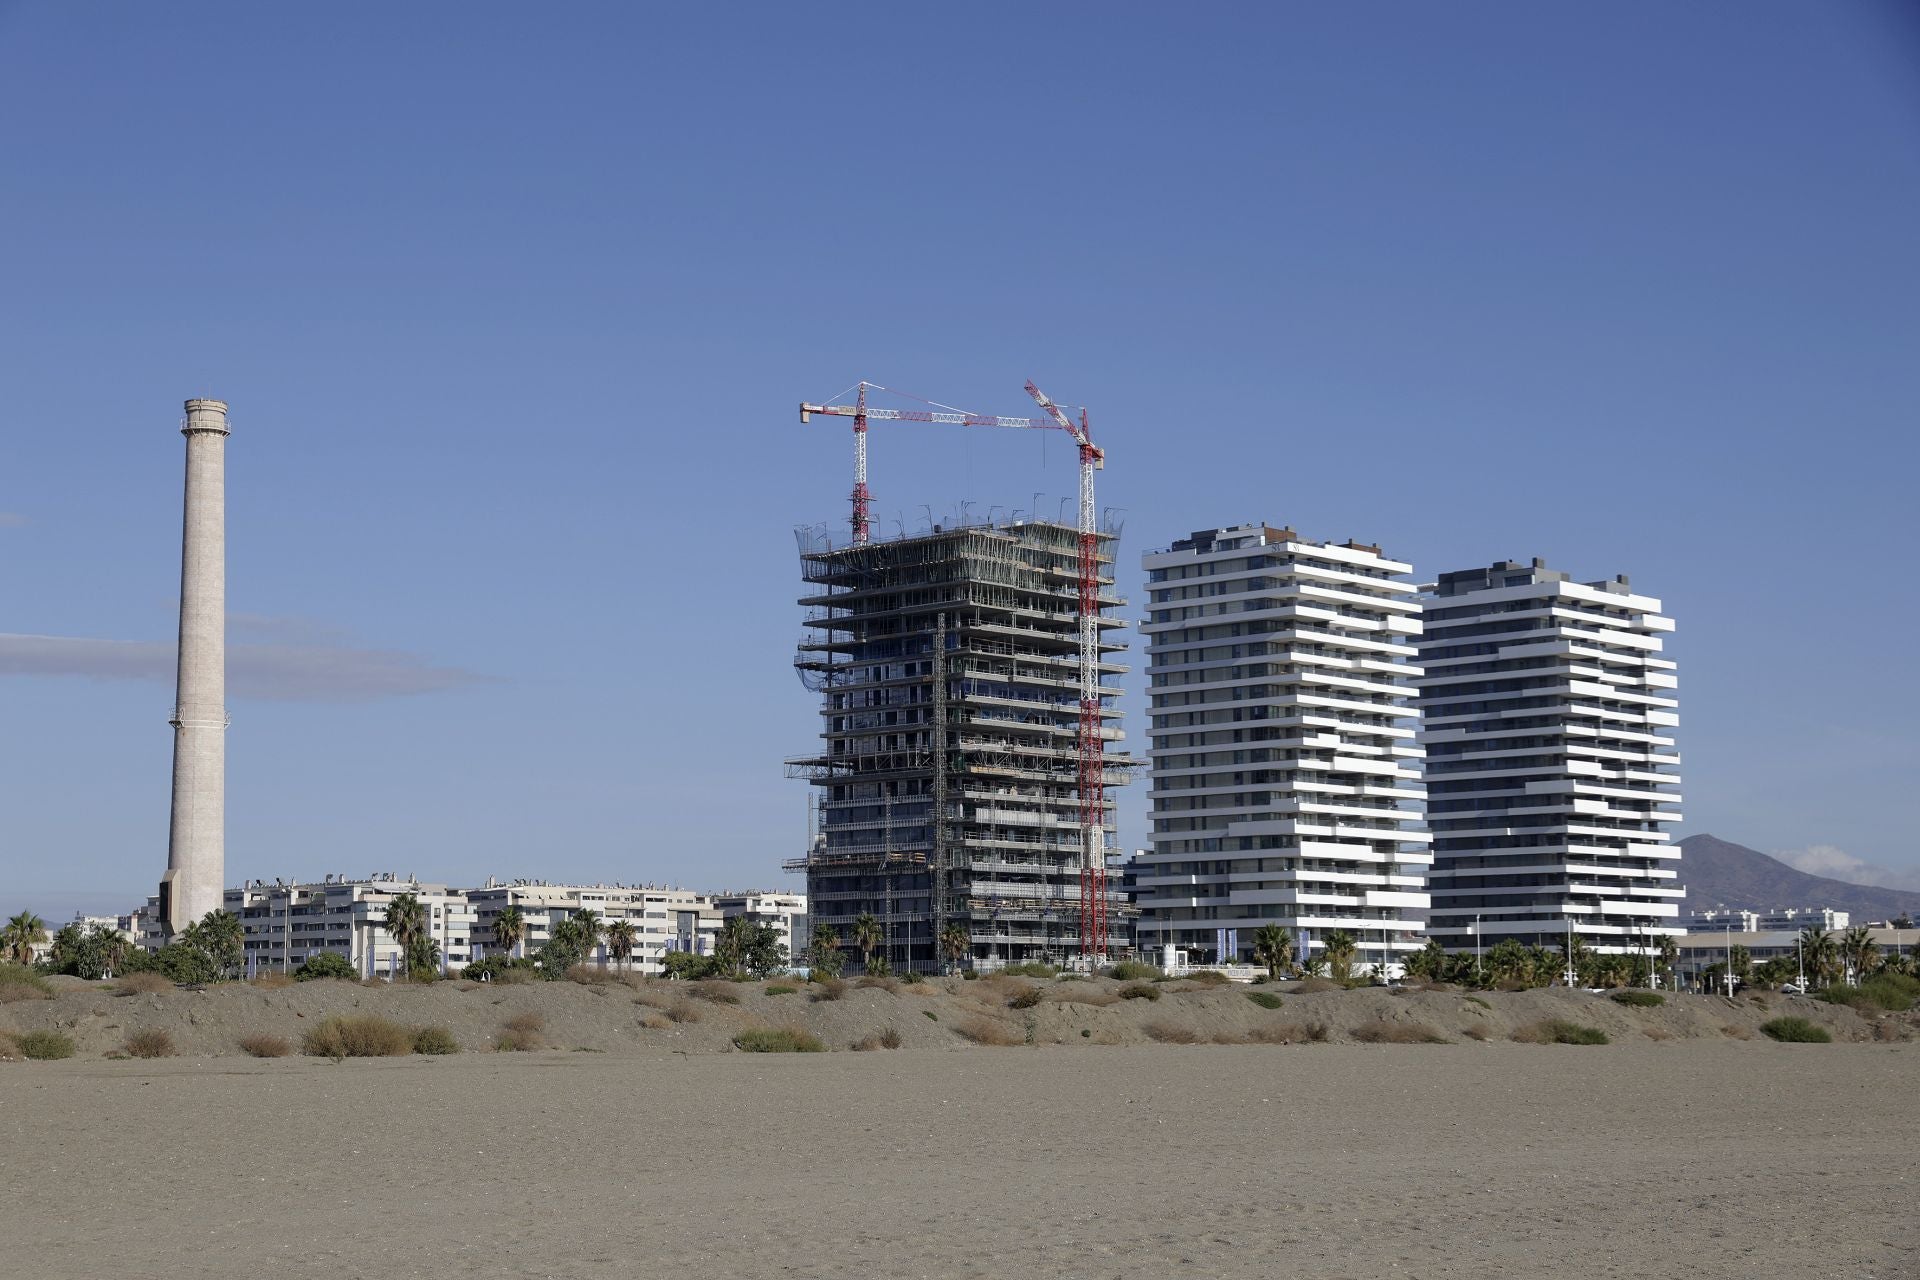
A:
(1720, 873)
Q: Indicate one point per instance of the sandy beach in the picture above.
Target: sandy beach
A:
(1703, 1158)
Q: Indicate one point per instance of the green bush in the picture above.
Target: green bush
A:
(434, 1040)
(1133, 971)
(1894, 992)
(1208, 977)
(1029, 969)
(778, 1040)
(45, 1045)
(912, 977)
(1639, 999)
(1558, 1031)
(1884, 992)
(931, 1015)
(17, 982)
(325, 964)
(1265, 999)
(781, 989)
(1796, 1030)
(1140, 991)
(358, 1035)
(1476, 1000)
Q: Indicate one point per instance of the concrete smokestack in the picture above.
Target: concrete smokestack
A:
(196, 845)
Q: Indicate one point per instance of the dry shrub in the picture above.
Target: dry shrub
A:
(1310, 986)
(510, 1040)
(921, 989)
(1208, 977)
(888, 1039)
(988, 1032)
(593, 974)
(1025, 998)
(1657, 1033)
(272, 981)
(1172, 1033)
(1397, 1033)
(716, 992)
(9, 1047)
(654, 998)
(1140, 991)
(142, 984)
(434, 1041)
(829, 988)
(1736, 1032)
(1083, 993)
(17, 982)
(373, 982)
(358, 1035)
(44, 1046)
(530, 1021)
(655, 1022)
(1887, 1030)
(152, 1042)
(879, 980)
(1289, 1033)
(1558, 1031)
(1476, 1033)
(684, 1011)
(262, 1046)
(1231, 1037)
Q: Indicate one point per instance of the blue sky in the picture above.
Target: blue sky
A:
(513, 305)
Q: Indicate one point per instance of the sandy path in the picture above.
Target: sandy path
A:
(1707, 1160)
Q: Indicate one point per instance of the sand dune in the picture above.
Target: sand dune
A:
(1697, 1155)
(1717, 1159)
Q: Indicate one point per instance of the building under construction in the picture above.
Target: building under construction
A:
(951, 769)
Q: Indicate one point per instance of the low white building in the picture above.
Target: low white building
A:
(786, 912)
(284, 924)
(1721, 919)
(665, 919)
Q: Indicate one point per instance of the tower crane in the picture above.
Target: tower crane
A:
(1092, 747)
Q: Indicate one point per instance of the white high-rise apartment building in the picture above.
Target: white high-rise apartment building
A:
(1286, 786)
(1547, 715)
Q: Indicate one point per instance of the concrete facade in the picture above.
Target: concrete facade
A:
(1286, 778)
(1548, 715)
(285, 924)
(196, 843)
(948, 763)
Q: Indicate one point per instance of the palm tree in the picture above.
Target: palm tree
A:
(223, 938)
(508, 928)
(587, 928)
(1858, 950)
(954, 944)
(825, 951)
(867, 935)
(1820, 953)
(23, 933)
(406, 924)
(1429, 962)
(621, 935)
(1273, 947)
(1669, 955)
(1742, 964)
(1578, 960)
(1340, 950)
